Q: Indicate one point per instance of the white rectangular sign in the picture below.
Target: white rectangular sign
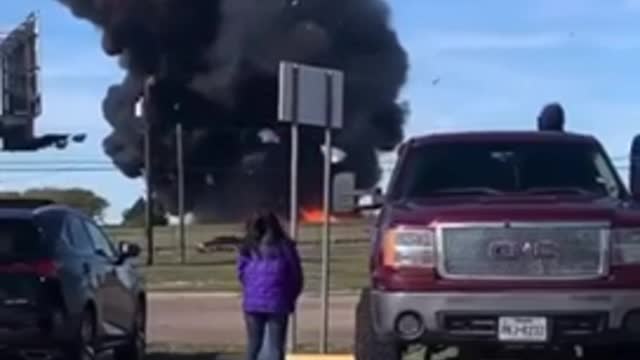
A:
(311, 95)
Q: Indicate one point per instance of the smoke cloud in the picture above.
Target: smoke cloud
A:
(216, 68)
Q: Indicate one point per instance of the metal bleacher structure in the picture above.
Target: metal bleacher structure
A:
(20, 97)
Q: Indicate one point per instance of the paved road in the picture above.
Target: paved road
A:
(202, 356)
(209, 319)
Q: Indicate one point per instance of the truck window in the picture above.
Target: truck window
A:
(508, 167)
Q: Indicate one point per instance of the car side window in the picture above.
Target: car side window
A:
(52, 226)
(77, 235)
(101, 241)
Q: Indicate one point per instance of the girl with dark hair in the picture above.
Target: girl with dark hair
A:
(270, 272)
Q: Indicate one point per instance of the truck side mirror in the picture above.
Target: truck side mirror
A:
(377, 198)
(346, 196)
(634, 168)
(344, 193)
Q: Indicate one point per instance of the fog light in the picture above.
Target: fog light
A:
(409, 326)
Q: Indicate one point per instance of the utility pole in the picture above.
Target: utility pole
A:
(148, 170)
(180, 168)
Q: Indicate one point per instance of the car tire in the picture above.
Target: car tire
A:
(136, 347)
(84, 345)
(368, 346)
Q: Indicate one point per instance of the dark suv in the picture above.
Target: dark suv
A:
(65, 290)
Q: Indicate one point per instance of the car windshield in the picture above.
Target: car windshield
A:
(498, 168)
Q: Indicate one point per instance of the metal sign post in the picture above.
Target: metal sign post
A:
(293, 181)
(312, 96)
(326, 228)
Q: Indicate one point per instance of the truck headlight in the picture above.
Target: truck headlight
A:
(625, 246)
(409, 247)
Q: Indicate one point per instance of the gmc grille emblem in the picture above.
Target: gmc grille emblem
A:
(510, 250)
(546, 249)
(502, 249)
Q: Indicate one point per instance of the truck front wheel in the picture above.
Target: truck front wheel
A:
(629, 351)
(368, 346)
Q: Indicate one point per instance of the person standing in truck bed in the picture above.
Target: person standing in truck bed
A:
(270, 272)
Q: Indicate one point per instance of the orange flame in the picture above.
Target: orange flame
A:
(315, 216)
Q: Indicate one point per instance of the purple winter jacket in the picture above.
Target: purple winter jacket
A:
(271, 283)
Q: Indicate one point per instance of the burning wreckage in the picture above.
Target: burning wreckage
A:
(216, 68)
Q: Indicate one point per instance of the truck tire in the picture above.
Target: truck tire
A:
(629, 351)
(622, 352)
(368, 346)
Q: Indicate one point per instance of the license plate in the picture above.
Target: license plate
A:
(522, 329)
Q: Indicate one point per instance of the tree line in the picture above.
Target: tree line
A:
(88, 201)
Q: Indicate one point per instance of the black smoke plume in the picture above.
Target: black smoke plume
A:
(216, 64)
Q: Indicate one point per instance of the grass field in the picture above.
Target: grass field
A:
(349, 268)
(215, 271)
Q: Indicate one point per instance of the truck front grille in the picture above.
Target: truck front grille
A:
(471, 325)
(523, 251)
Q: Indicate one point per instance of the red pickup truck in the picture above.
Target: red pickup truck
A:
(504, 243)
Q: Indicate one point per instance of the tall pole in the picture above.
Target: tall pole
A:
(326, 230)
(148, 171)
(293, 206)
(180, 167)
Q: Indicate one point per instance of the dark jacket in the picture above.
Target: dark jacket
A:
(271, 278)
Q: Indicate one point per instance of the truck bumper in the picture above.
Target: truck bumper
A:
(573, 317)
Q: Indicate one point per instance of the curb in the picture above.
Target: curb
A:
(230, 294)
(190, 294)
(318, 357)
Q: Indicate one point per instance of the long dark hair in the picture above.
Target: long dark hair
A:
(264, 234)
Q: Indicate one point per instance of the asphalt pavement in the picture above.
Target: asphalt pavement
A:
(201, 322)
(216, 320)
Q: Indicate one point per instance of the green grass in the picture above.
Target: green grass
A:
(215, 271)
(349, 269)
(167, 239)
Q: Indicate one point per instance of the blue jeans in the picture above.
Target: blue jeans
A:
(267, 329)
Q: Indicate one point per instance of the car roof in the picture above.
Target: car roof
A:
(18, 214)
(25, 209)
(505, 136)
